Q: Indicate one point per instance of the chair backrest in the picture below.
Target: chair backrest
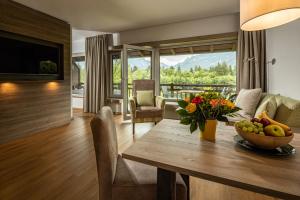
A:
(106, 149)
(142, 85)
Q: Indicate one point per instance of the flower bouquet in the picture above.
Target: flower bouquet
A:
(204, 110)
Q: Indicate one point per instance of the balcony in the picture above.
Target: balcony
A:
(179, 91)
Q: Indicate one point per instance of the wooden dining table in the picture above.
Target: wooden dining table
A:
(171, 148)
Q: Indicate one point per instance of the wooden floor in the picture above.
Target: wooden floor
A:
(60, 164)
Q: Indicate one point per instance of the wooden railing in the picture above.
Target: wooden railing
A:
(183, 90)
(175, 91)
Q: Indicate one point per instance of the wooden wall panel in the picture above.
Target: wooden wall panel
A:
(27, 107)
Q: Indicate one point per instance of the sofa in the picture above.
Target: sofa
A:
(287, 112)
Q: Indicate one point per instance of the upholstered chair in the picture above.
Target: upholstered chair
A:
(121, 179)
(153, 112)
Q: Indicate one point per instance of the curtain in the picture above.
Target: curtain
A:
(97, 72)
(251, 70)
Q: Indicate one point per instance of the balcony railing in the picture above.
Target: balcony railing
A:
(176, 91)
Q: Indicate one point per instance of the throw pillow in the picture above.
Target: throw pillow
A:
(144, 97)
(248, 99)
(269, 105)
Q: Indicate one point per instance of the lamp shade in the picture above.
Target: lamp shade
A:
(263, 14)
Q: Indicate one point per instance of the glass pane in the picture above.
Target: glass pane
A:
(139, 67)
(78, 81)
(182, 74)
(81, 65)
(117, 75)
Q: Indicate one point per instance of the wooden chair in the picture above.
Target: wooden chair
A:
(121, 179)
(141, 114)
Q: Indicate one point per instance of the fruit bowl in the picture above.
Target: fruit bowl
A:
(262, 141)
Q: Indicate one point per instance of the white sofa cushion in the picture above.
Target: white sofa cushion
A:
(248, 100)
(269, 105)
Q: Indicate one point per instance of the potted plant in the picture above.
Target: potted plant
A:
(204, 110)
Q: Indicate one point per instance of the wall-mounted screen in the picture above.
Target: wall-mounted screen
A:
(27, 58)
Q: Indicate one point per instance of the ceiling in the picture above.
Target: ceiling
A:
(81, 34)
(120, 15)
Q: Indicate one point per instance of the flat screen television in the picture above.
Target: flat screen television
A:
(26, 58)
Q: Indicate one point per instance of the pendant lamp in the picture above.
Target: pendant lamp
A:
(263, 14)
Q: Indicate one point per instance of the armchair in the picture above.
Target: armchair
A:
(142, 113)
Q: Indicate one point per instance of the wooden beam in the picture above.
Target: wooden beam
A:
(233, 47)
(191, 49)
(141, 53)
(172, 51)
(222, 36)
(211, 48)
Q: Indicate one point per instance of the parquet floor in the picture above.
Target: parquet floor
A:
(59, 164)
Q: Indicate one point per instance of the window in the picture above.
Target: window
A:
(78, 81)
(116, 74)
(183, 73)
(78, 74)
(139, 67)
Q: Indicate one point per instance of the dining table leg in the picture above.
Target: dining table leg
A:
(166, 184)
(186, 180)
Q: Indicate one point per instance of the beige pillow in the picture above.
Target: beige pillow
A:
(248, 100)
(144, 97)
(269, 105)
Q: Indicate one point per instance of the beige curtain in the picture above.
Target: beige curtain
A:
(251, 70)
(98, 72)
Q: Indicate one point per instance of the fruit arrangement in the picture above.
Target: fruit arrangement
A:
(265, 126)
(264, 132)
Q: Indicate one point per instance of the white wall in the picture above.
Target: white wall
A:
(79, 36)
(207, 26)
(283, 44)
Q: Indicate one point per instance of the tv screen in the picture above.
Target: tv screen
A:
(23, 57)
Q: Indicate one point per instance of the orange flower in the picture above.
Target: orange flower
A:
(223, 102)
(187, 99)
(191, 107)
(214, 102)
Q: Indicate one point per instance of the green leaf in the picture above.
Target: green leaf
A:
(185, 120)
(201, 125)
(182, 103)
(182, 112)
(222, 119)
(193, 126)
(192, 96)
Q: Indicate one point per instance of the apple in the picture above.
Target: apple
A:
(274, 130)
(265, 122)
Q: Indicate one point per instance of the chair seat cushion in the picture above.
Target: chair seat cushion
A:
(134, 181)
(148, 112)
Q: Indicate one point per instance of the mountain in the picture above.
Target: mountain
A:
(163, 65)
(205, 60)
(208, 60)
(142, 63)
(139, 62)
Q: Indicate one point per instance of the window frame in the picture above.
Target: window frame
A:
(234, 42)
(111, 90)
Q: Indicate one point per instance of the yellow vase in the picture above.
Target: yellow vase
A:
(209, 132)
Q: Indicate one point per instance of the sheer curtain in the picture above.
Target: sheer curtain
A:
(98, 72)
(251, 60)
